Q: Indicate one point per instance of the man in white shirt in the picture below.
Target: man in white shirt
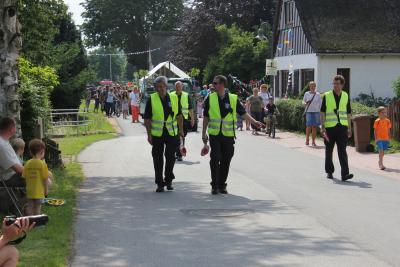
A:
(134, 96)
(10, 166)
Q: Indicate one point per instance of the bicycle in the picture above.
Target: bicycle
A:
(271, 126)
(117, 109)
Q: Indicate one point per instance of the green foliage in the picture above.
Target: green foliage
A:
(291, 114)
(101, 64)
(126, 23)
(238, 54)
(359, 108)
(35, 87)
(396, 87)
(371, 101)
(194, 72)
(50, 38)
(140, 74)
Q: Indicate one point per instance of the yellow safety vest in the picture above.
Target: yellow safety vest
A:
(216, 123)
(184, 104)
(331, 119)
(158, 121)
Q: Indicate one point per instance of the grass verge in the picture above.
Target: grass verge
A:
(52, 245)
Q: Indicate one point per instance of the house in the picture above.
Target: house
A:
(317, 39)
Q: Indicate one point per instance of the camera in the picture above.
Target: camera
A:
(40, 220)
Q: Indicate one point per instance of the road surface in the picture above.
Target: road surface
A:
(281, 210)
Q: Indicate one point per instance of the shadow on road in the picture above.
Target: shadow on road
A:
(150, 229)
(353, 183)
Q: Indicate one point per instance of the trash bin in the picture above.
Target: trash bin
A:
(362, 132)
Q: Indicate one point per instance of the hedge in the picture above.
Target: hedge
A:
(291, 113)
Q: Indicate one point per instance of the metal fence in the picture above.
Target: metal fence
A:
(68, 122)
(394, 116)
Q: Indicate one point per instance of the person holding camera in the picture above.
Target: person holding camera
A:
(9, 254)
(220, 110)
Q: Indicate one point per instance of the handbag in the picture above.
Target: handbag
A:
(308, 106)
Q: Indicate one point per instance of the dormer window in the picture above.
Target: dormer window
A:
(289, 12)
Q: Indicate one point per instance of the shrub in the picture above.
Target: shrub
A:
(396, 87)
(291, 114)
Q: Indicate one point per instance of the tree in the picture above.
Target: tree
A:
(396, 87)
(198, 35)
(126, 24)
(100, 63)
(237, 54)
(194, 72)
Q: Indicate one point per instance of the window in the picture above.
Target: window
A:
(307, 75)
(346, 74)
(288, 11)
(296, 83)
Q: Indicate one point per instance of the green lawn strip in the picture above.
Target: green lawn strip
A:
(52, 245)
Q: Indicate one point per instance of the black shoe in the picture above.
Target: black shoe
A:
(169, 187)
(347, 177)
(179, 158)
(214, 191)
(329, 176)
(223, 190)
(160, 189)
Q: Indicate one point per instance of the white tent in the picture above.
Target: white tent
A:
(162, 69)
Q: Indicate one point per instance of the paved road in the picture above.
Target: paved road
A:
(281, 210)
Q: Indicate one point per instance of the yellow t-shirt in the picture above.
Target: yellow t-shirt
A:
(35, 173)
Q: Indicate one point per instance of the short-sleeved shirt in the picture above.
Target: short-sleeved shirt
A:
(224, 106)
(256, 103)
(382, 127)
(337, 99)
(265, 96)
(134, 99)
(271, 109)
(35, 173)
(110, 97)
(315, 105)
(190, 102)
(8, 158)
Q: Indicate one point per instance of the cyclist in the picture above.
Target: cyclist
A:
(271, 111)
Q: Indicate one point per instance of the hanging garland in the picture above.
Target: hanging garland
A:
(127, 54)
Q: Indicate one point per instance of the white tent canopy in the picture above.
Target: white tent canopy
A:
(168, 66)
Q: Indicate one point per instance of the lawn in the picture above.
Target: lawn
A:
(52, 245)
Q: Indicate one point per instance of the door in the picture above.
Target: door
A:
(345, 72)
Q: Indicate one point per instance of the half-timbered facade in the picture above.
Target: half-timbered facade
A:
(317, 39)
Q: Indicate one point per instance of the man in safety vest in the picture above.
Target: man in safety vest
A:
(187, 110)
(336, 127)
(163, 121)
(220, 111)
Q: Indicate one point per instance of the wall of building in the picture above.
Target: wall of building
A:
(367, 73)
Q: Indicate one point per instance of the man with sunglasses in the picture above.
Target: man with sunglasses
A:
(220, 114)
(336, 127)
(163, 120)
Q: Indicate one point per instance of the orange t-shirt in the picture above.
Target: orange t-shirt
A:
(382, 127)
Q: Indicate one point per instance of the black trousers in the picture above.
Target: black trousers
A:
(15, 181)
(185, 132)
(222, 151)
(337, 135)
(164, 146)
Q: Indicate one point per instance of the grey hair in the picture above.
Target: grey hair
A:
(161, 79)
(178, 82)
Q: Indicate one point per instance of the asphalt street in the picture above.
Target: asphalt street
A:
(281, 210)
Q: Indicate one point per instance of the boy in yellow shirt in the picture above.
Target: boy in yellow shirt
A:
(382, 128)
(36, 175)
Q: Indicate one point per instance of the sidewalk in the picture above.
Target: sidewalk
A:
(367, 161)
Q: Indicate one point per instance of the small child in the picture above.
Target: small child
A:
(382, 128)
(19, 147)
(270, 114)
(36, 174)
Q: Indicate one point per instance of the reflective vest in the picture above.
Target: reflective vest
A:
(158, 120)
(184, 104)
(216, 123)
(331, 118)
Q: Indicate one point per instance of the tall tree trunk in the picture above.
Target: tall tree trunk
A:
(10, 43)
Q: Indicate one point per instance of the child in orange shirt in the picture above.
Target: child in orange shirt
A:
(382, 128)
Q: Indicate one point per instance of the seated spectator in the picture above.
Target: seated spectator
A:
(9, 254)
(10, 166)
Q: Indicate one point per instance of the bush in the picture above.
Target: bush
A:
(291, 115)
(396, 87)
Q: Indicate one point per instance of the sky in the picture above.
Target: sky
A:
(76, 10)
